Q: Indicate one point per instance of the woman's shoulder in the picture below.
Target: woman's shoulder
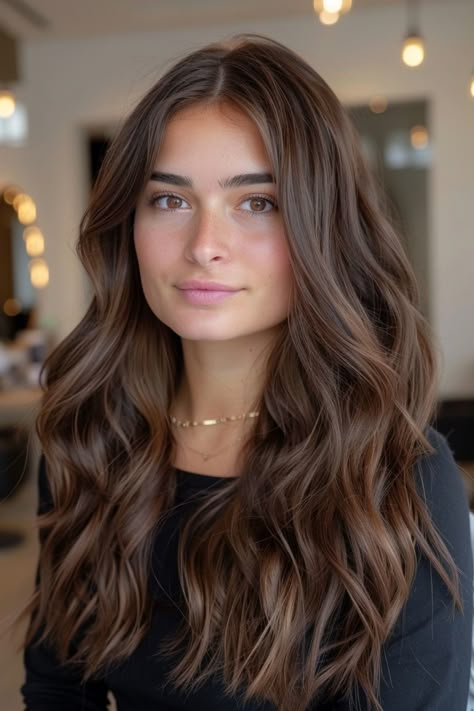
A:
(441, 485)
(442, 488)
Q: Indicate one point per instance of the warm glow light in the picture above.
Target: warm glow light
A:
(413, 51)
(35, 244)
(39, 273)
(27, 212)
(332, 5)
(11, 307)
(378, 104)
(19, 199)
(10, 193)
(471, 87)
(328, 18)
(32, 231)
(7, 104)
(419, 137)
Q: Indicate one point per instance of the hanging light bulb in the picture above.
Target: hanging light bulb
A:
(332, 6)
(329, 11)
(8, 73)
(413, 51)
(471, 85)
(7, 104)
(328, 18)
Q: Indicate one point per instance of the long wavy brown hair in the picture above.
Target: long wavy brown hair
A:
(296, 570)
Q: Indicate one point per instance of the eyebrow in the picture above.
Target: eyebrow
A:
(235, 181)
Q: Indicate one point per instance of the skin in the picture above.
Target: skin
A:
(232, 234)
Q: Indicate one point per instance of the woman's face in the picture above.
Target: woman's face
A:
(209, 214)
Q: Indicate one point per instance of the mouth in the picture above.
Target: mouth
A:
(207, 296)
(196, 285)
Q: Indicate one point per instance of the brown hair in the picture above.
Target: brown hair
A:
(325, 517)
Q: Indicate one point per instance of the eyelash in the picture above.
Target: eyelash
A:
(157, 196)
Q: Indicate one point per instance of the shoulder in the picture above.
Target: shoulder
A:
(442, 488)
(426, 661)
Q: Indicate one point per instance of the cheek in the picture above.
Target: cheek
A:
(152, 252)
(276, 262)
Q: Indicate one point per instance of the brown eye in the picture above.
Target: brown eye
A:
(173, 202)
(169, 202)
(258, 204)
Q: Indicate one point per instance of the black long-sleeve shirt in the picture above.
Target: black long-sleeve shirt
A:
(426, 661)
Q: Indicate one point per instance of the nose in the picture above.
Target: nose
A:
(209, 239)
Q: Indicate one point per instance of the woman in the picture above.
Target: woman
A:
(243, 503)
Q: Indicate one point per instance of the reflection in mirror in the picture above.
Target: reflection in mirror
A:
(23, 270)
(397, 143)
(17, 296)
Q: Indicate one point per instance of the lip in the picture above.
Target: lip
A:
(196, 285)
(206, 297)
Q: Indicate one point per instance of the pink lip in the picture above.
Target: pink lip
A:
(207, 296)
(205, 286)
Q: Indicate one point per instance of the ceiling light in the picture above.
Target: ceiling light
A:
(8, 73)
(332, 6)
(7, 104)
(413, 50)
(329, 11)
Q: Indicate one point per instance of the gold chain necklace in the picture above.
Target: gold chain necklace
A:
(216, 421)
(208, 456)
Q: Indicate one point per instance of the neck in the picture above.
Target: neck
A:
(221, 378)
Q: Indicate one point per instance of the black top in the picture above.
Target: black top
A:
(426, 662)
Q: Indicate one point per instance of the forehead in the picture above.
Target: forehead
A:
(210, 133)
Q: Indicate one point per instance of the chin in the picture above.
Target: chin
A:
(206, 332)
(197, 335)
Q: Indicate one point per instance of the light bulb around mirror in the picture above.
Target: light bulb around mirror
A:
(32, 231)
(19, 199)
(12, 307)
(10, 193)
(39, 273)
(27, 212)
(34, 244)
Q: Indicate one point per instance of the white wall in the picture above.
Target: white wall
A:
(74, 83)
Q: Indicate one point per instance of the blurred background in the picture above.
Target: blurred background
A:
(70, 71)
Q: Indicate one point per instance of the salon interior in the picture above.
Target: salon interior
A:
(70, 71)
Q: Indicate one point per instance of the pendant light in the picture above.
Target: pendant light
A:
(413, 51)
(329, 11)
(8, 74)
